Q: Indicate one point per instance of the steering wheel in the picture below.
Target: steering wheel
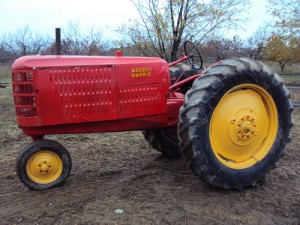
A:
(195, 58)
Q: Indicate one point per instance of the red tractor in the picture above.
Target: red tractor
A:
(230, 122)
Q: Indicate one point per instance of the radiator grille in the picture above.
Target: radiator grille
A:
(24, 96)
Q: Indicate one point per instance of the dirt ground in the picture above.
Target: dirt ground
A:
(118, 179)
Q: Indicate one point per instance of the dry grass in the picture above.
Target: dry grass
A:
(5, 74)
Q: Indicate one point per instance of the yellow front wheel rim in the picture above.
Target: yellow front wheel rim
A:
(243, 126)
(44, 167)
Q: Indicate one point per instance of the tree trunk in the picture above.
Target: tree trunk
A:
(282, 67)
(283, 64)
(174, 51)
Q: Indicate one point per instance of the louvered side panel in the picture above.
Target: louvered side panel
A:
(82, 95)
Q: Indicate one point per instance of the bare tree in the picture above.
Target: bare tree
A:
(5, 55)
(217, 48)
(287, 16)
(76, 41)
(23, 42)
(258, 41)
(94, 43)
(164, 25)
(73, 39)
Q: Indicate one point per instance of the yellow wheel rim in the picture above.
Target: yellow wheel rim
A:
(243, 126)
(44, 167)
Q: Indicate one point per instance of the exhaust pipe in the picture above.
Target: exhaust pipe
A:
(57, 41)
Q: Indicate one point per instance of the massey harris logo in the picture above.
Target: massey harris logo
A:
(141, 72)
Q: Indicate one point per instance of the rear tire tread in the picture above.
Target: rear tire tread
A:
(213, 79)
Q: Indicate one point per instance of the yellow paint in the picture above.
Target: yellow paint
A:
(243, 126)
(44, 167)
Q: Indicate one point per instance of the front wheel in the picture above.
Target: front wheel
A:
(43, 164)
(235, 123)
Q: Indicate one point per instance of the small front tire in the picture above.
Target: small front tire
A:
(43, 164)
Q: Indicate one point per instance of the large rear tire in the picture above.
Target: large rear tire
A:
(235, 123)
(164, 140)
(182, 71)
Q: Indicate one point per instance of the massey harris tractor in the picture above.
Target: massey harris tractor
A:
(230, 122)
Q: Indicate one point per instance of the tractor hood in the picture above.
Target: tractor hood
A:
(50, 61)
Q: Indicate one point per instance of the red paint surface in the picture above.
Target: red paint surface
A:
(83, 94)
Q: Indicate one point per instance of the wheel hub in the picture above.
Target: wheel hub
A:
(44, 167)
(243, 130)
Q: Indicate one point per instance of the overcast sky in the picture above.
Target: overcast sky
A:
(45, 15)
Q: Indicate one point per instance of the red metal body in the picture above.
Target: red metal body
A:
(84, 94)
